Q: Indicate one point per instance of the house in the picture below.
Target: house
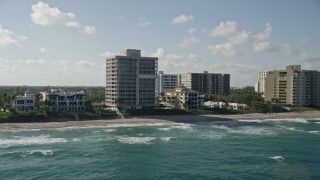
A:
(98, 105)
(212, 104)
(24, 104)
(237, 106)
(182, 98)
(60, 101)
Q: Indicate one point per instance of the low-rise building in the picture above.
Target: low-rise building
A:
(60, 101)
(212, 104)
(98, 105)
(237, 106)
(24, 104)
(183, 98)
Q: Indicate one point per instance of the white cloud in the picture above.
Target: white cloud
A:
(107, 54)
(44, 15)
(263, 36)
(226, 49)
(188, 40)
(192, 31)
(35, 61)
(182, 19)
(194, 57)
(85, 63)
(91, 30)
(304, 41)
(224, 29)
(8, 38)
(43, 49)
(261, 46)
(315, 58)
(144, 23)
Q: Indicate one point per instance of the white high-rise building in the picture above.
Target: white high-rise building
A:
(166, 81)
(130, 80)
(261, 83)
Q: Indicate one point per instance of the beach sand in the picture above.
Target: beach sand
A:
(161, 119)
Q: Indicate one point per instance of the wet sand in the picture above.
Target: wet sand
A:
(160, 119)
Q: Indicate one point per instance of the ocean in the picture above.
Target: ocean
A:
(269, 149)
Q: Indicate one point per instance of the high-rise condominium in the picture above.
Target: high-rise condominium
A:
(293, 86)
(166, 81)
(130, 80)
(206, 82)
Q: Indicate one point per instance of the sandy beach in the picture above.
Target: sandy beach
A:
(160, 119)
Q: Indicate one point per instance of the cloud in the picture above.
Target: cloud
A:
(261, 46)
(44, 15)
(8, 38)
(191, 31)
(304, 41)
(194, 57)
(61, 62)
(6, 67)
(188, 40)
(35, 61)
(85, 63)
(91, 30)
(144, 23)
(107, 54)
(182, 19)
(43, 49)
(311, 61)
(224, 29)
(169, 62)
(226, 49)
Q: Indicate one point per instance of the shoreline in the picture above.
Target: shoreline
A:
(160, 119)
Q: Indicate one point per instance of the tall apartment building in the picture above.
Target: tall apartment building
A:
(206, 82)
(293, 86)
(130, 80)
(260, 86)
(24, 104)
(166, 81)
(60, 101)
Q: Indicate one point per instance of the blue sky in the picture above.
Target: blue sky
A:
(65, 42)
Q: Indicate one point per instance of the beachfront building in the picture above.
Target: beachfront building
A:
(130, 80)
(61, 101)
(293, 86)
(182, 98)
(237, 106)
(24, 104)
(260, 86)
(205, 82)
(166, 81)
(213, 104)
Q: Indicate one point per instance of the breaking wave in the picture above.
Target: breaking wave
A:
(23, 141)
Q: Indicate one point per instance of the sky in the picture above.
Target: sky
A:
(64, 42)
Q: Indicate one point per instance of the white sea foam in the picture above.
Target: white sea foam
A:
(314, 132)
(291, 129)
(137, 125)
(317, 122)
(136, 140)
(167, 139)
(188, 127)
(254, 131)
(164, 129)
(296, 120)
(43, 152)
(213, 135)
(23, 141)
(109, 130)
(280, 159)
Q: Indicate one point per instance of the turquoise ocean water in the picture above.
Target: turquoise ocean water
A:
(217, 150)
